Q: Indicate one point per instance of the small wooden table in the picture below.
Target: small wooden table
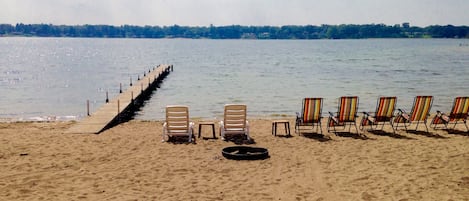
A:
(286, 123)
(207, 123)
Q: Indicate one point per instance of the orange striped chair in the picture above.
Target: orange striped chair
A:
(419, 114)
(384, 114)
(458, 114)
(310, 115)
(346, 115)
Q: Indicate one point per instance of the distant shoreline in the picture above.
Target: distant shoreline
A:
(308, 32)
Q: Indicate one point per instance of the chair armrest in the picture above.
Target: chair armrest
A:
(403, 114)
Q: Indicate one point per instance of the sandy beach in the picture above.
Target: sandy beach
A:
(129, 162)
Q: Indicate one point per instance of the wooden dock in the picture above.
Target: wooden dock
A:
(122, 107)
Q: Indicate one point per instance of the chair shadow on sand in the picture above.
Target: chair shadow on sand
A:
(239, 139)
(457, 132)
(426, 134)
(180, 140)
(316, 136)
(389, 134)
(357, 136)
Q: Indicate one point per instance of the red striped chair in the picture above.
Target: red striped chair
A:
(310, 115)
(384, 114)
(458, 114)
(346, 115)
(419, 114)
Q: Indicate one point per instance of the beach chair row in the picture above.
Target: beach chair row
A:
(235, 122)
(385, 113)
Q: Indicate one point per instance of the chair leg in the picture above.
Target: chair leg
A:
(356, 128)
(426, 127)
(417, 126)
(320, 127)
(392, 127)
(467, 129)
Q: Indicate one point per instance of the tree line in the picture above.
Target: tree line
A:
(344, 31)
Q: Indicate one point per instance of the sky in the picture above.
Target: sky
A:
(235, 12)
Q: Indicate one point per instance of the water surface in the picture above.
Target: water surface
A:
(53, 77)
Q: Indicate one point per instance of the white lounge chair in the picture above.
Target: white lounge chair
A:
(177, 122)
(234, 121)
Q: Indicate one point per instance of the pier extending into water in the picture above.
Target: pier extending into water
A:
(124, 106)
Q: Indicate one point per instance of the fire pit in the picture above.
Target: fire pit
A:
(245, 153)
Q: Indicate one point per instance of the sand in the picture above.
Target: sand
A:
(129, 162)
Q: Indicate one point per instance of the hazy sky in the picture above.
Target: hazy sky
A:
(239, 12)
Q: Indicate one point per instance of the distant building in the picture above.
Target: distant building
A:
(406, 25)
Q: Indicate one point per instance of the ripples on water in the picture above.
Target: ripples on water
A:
(53, 77)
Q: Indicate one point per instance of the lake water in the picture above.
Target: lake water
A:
(43, 78)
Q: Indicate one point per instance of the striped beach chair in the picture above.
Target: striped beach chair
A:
(419, 114)
(384, 114)
(346, 115)
(458, 114)
(310, 115)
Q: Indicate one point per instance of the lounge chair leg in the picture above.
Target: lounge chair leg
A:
(392, 127)
(358, 132)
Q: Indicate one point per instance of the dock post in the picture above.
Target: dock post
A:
(120, 88)
(88, 107)
(130, 80)
(118, 111)
(171, 67)
(107, 97)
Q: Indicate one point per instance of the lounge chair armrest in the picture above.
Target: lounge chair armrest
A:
(298, 118)
(438, 112)
(332, 114)
(366, 114)
(403, 114)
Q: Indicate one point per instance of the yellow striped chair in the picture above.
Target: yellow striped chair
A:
(346, 115)
(419, 114)
(458, 114)
(384, 114)
(310, 115)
